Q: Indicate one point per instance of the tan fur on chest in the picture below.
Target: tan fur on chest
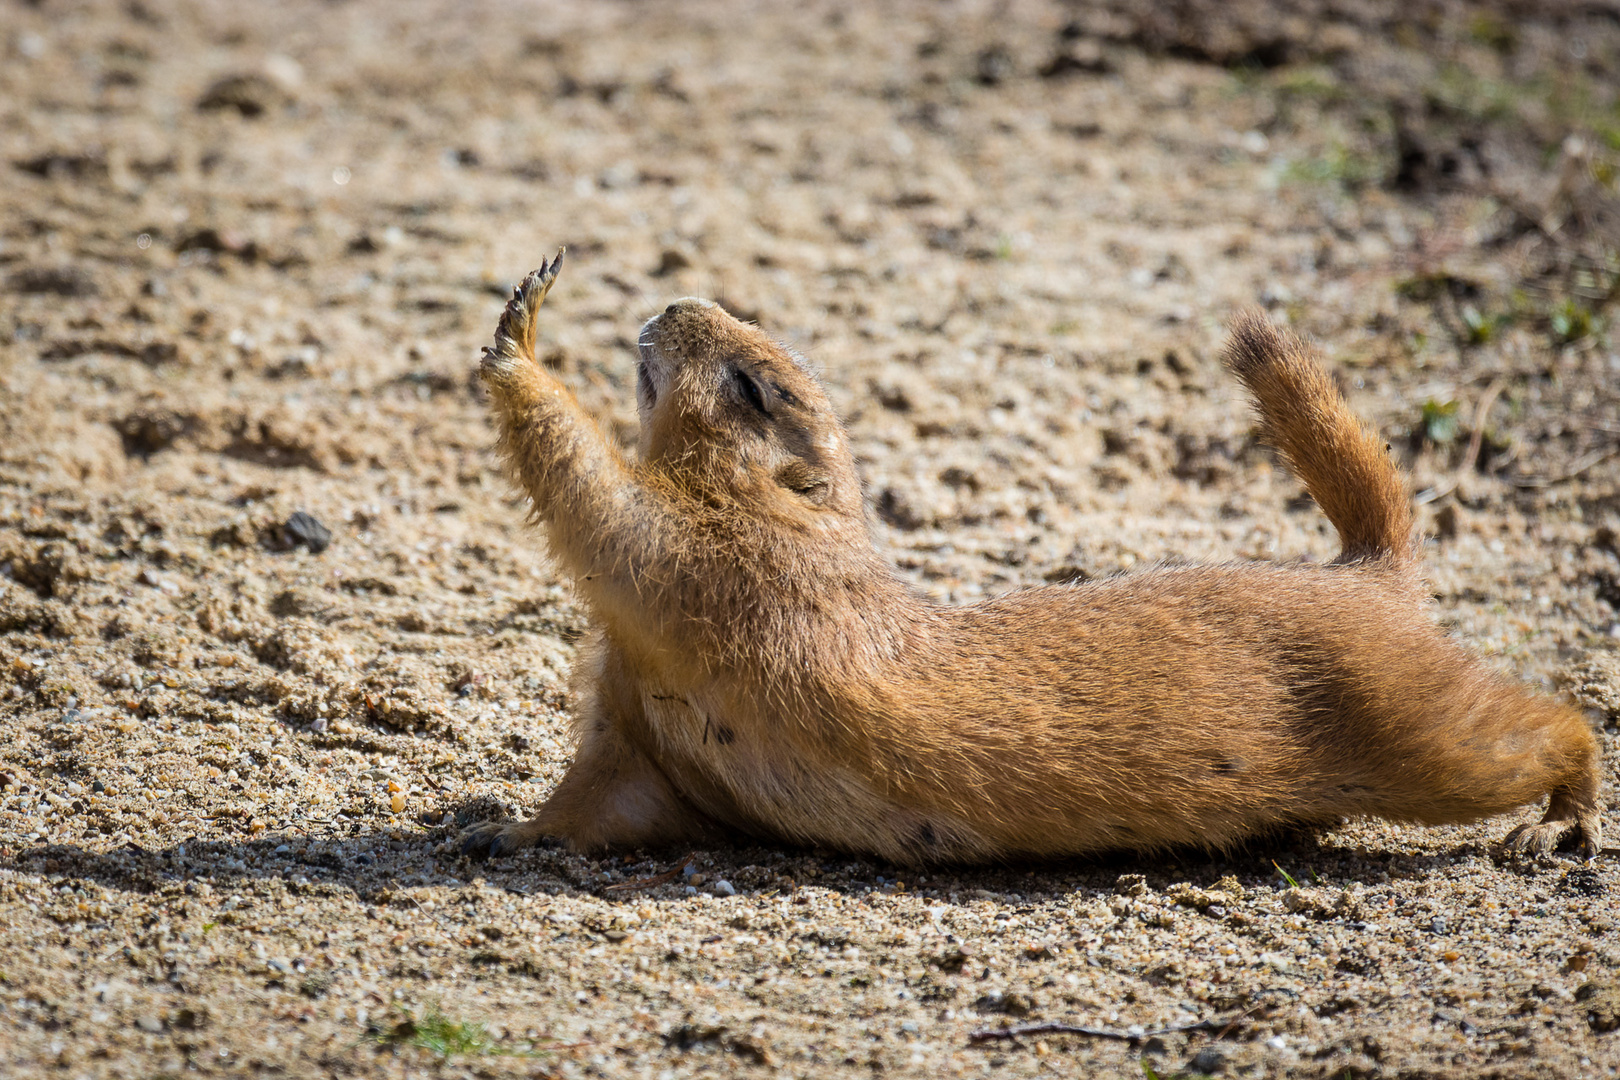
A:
(757, 669)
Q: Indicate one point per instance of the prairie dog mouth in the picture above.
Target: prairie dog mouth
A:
(652, 368)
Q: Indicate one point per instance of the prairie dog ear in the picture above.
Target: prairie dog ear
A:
(803, 480)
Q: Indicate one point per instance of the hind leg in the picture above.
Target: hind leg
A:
(614, 795)
(1536, 745)
(1568, 808)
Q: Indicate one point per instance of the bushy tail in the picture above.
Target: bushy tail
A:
(1345, 466)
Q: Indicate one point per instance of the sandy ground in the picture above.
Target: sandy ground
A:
(248, 254)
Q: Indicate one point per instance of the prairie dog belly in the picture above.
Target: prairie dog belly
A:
(759, 786)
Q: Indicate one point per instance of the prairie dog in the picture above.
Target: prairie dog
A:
(755, 668)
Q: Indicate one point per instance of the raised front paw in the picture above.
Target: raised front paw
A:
(498, 838)
(514, 335)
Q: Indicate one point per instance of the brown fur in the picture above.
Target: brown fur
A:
(757, 669)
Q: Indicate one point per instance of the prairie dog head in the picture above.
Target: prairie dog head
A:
(724, 406)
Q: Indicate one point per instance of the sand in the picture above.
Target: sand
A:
(248, 254)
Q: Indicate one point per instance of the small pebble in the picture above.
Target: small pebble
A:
(302, 528)
(396, 802)
(724, 888)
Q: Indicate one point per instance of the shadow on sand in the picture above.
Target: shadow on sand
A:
(382, 865)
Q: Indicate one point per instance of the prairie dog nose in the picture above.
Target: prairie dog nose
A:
(688, 303)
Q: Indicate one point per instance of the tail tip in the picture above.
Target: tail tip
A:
(1253, 342)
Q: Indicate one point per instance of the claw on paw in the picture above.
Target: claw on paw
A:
(498, 838)
(483, 839)
(514, 336)
(1545, 838)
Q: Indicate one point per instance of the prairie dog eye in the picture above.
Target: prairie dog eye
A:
(750, 390)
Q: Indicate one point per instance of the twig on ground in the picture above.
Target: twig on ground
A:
(1219, 1026)
(424, 910)
(1596, 457)
(656, 880)
(1476, 438)
(1506, 459)
(1475, 441)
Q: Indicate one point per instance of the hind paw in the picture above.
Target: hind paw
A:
(1544, 837)
(514, 335)
(1536, 839)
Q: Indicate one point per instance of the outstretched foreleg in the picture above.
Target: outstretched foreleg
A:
(607, 528)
